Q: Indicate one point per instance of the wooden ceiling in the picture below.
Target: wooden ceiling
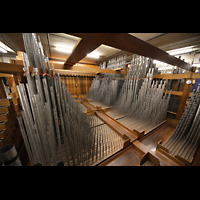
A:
(164, 41)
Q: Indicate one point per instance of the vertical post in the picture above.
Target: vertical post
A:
(184, 97)
(86, 84)
(2, 90)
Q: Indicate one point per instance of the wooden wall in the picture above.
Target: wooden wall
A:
(77, 85)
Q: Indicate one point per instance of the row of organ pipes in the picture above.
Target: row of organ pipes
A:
(56, 129)
(139, 99)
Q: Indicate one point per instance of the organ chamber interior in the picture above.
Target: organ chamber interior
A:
(127, 113)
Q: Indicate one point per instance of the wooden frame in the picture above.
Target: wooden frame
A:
(186, 89)
(129, 43)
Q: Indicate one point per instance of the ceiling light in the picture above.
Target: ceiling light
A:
(181, 50)
(93, 55)
(67, 50)
(64, 49)
(5, 47)
(165, 68)
(196, 65)
(160, 63)
(3, 50)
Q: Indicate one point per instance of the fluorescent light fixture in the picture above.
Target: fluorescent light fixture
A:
(3, 50)
(165, 68)
(5, 47)
(93, 55)
(160, 63)
(181, 50)
(64, 49)
(196, 65)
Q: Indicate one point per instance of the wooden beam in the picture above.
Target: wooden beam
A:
(5, 75)
(80, 50)
(129, 43)
(59, 68)
(174, 76)
(178, 93)
(182, 103)
(2, 90)
(11, 68)
(97, 70)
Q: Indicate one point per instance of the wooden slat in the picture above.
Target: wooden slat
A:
(5, 75)
(4, 109)
(11, 68)
(4, 102)
(178, 93)
(3, 117)
(59, 68)
(116, 126)
(129, 43)
(2, 90)
(171, 112)
(174, 76)
(80, 50)
(2, 125)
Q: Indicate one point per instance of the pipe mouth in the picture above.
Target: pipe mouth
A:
(6, 148)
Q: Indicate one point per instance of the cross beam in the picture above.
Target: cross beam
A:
(81, 49)
(129, 43)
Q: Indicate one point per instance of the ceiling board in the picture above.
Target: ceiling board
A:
(146, 36)
(13, 40)
(171, 38)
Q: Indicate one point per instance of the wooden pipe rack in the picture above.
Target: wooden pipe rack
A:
(132, 137)
(140, 152)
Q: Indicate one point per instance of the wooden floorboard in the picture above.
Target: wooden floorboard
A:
(161, 133)
(130, 157)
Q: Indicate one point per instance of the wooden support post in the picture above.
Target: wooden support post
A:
(184, 97)
(2, 90)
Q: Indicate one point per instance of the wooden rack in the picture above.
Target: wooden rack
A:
(146, 154)
(185, 89)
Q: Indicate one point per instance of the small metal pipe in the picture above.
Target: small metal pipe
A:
(49, 45)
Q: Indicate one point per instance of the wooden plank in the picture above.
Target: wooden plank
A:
(2, 90)
(3, 117)
(4, 102)
(173, 76)
(5, 75)
(162, 156)
(171, 112)
(129, 43)
(80, 50)
(116, 126)
(11, 68)
(4, 109)
(178, 93)
(130, 156)
(59, 68)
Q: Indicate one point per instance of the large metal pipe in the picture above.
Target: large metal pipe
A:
(9, 155)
